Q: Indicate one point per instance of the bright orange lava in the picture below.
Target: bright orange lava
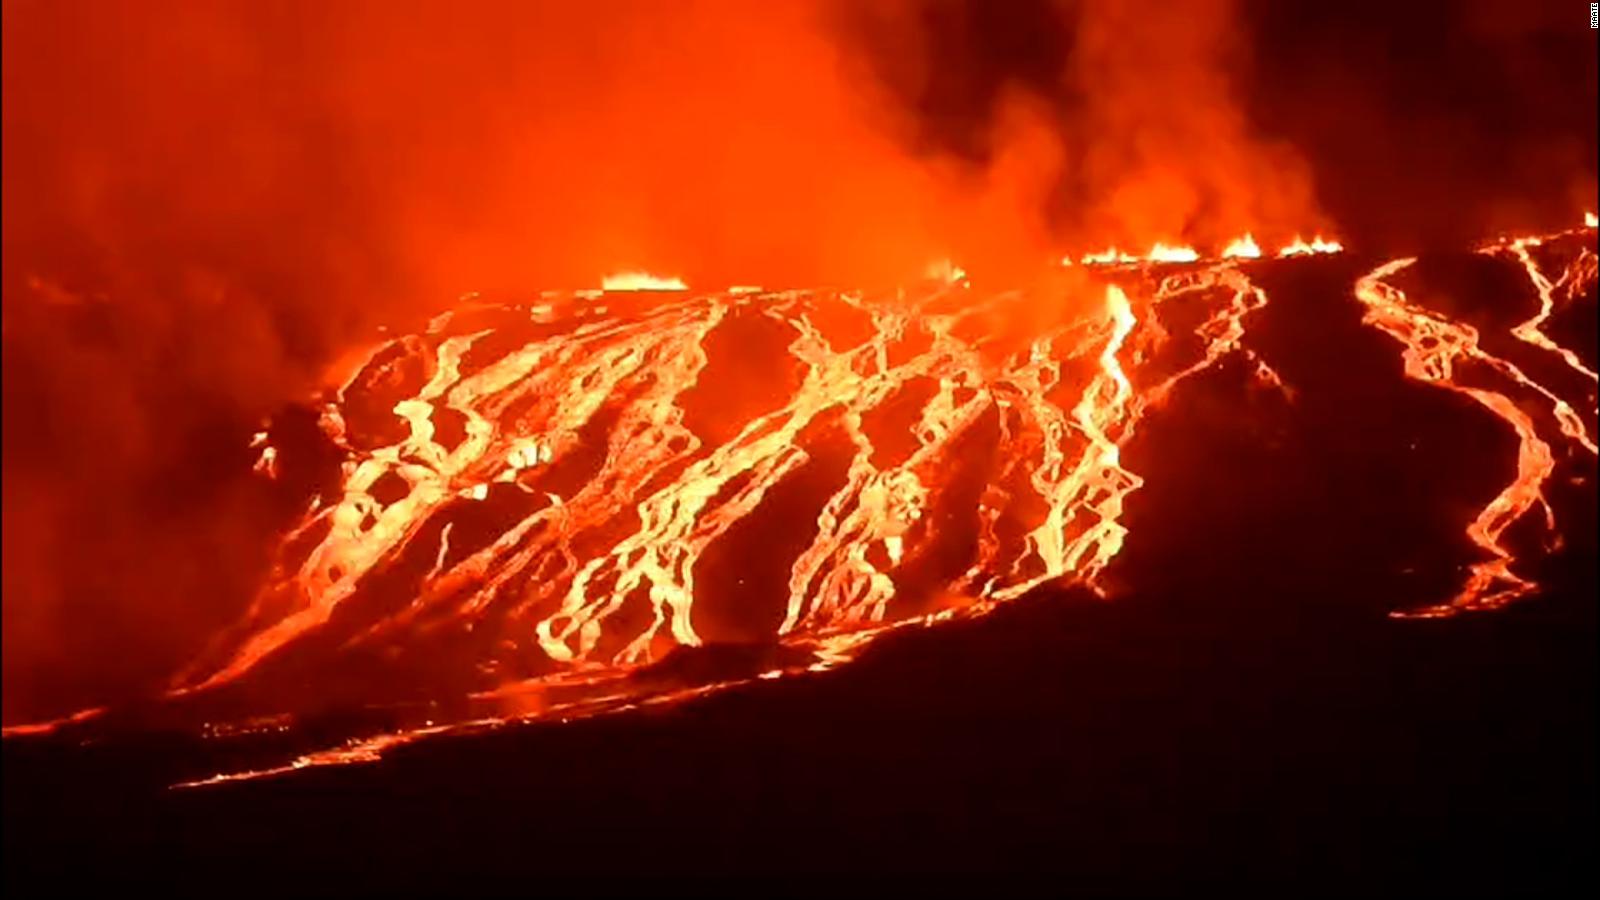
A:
(1066, 458)
(599, 578)
(594, 576)
(1447, 353)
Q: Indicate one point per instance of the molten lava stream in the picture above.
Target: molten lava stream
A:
(1442, 352)
(1565, 289)
(536, 487)
(590, 424)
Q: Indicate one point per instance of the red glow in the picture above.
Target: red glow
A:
(758, 265)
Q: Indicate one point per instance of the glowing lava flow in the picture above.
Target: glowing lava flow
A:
(1581, 271)
(1439, 351)
(541, 506)
(597, 445)
(1574, 277)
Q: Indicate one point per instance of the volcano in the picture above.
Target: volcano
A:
(544, 446)
(652, 514)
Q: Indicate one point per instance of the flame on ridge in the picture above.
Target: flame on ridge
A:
(945, 270)
(1163, 253)
(642, 281)
(1244, 247)
(1298, 247)
(1109, 256)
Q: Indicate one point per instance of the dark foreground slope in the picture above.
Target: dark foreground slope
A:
(1243, 713)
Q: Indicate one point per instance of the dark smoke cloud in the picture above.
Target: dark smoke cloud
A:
(1434, 123)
